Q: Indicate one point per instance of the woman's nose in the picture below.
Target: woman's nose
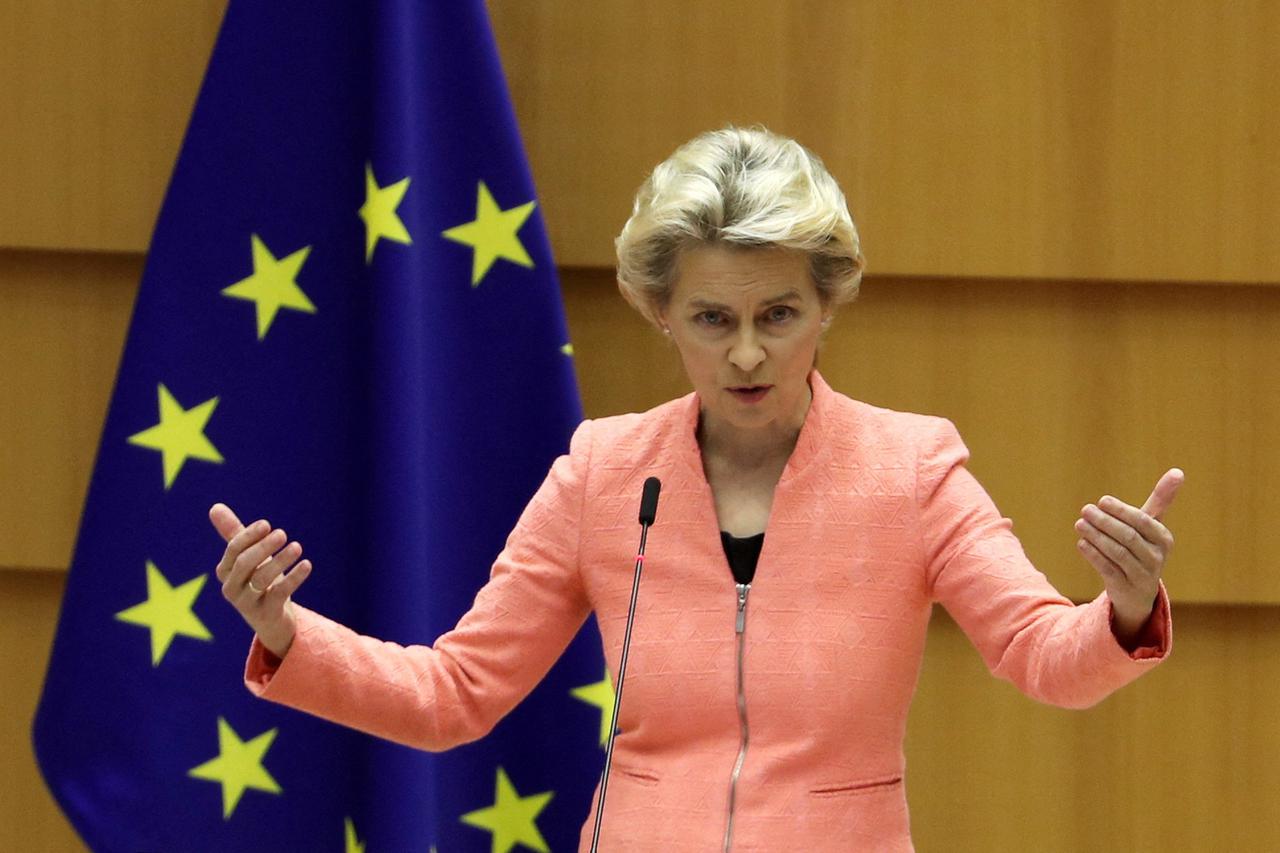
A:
(746, 352)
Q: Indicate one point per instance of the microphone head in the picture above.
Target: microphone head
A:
(649, 500)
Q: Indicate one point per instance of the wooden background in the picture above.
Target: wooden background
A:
(1072, 218)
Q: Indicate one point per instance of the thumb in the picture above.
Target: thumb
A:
(224, 521)
(1164, 492)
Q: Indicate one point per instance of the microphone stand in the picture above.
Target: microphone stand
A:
(648, 511)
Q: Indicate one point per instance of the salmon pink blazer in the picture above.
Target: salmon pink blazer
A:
(874, 520)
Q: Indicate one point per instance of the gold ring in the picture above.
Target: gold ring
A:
(255, 589)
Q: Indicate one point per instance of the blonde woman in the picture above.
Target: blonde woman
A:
(804, 537)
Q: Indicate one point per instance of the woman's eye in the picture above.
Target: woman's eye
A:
(780, 314)
(711, 318)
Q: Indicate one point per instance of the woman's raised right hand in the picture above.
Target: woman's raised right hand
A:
(253, 575)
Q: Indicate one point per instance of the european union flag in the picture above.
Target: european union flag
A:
(349, 324)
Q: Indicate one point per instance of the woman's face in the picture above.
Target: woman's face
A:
(747, 324)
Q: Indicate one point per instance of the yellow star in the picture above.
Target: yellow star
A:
(272, 285)
(511, 817)
(179, 435)
(351, 844)
(601, 695)
(167, 612)
(379, 212)
(567, 349)
(238, 766)
(492, 234)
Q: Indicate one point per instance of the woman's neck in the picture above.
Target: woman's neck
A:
(748, 449)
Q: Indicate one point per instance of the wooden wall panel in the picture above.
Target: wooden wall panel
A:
(1066, 392)
(1181, 760)
(1062, 391)
(1125, 140)
(29, 817)
(94, 99)
(63, 318)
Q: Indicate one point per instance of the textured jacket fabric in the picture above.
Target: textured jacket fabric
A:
(875, 518)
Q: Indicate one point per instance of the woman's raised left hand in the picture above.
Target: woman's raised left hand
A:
(1128, 546)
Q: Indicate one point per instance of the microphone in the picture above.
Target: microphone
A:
(649, 505)
(648, 512)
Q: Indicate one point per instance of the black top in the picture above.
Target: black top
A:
(743, 554)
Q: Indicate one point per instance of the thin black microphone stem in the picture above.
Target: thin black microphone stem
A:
(617, 701)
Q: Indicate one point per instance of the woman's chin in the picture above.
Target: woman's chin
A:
(738, 416)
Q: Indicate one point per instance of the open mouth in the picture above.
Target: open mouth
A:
(750, 393)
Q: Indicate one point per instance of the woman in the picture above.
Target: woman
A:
(804, 537)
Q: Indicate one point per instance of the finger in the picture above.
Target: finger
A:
(1112, 575)
(1122, 557)
(1151, 530)
(238, 543)
(254, 556)
(1147, 553)
(257, 555)
(287, 585)
(1163, 494)
(263, 576)
(224, 521)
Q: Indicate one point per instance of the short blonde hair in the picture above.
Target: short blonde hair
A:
(744, 187)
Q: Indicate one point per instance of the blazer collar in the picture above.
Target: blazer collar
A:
(809, 444)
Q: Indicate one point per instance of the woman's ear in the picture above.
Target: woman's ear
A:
(660, 318)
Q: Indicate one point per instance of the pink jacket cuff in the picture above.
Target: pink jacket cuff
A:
(266, 675)
(1155, 640)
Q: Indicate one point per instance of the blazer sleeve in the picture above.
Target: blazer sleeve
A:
(454, 691)
(1026, 631)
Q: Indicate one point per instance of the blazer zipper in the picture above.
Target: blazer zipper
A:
(740, 630)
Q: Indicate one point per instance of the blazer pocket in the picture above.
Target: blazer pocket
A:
(636, 774)
(849, 789)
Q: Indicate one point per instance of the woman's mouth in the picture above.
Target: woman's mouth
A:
(750, 393)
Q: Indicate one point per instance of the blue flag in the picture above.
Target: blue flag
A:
(349, 324)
